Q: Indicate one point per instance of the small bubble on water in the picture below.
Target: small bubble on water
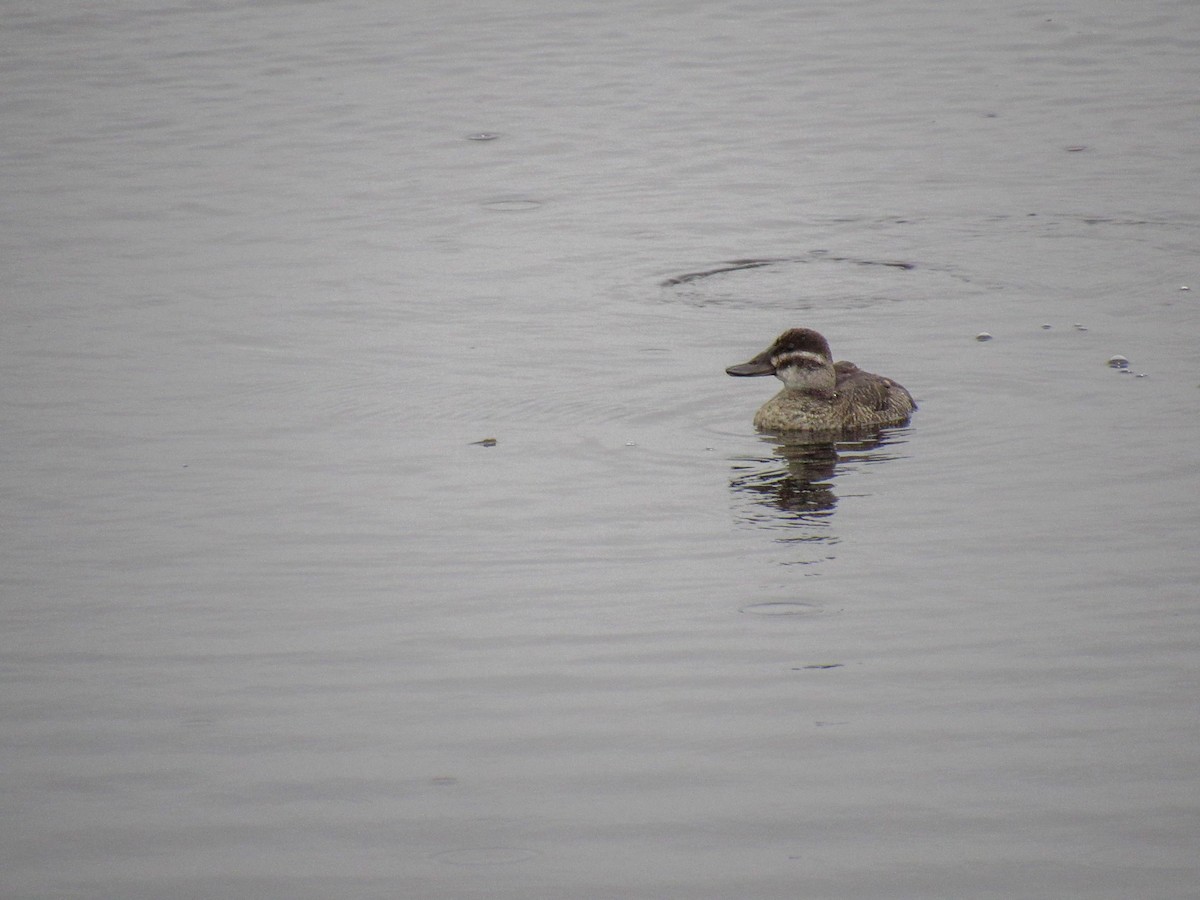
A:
(983, 336)
(1046, 326)
(1118, 362)
(483, 136)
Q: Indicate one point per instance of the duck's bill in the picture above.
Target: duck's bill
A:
(760, 365)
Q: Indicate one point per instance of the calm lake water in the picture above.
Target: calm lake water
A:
(275, 625)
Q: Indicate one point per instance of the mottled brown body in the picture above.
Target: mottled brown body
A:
(820, 395)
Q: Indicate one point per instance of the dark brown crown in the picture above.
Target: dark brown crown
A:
(801, 340)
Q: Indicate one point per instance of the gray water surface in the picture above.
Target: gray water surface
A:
(274, 625)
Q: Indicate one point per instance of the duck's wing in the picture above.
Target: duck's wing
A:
(867, 389)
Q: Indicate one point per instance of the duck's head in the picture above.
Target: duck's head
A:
(799, 357)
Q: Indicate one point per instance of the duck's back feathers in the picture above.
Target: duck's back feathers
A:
(870, 391)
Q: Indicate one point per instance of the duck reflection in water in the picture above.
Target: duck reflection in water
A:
(796, 482)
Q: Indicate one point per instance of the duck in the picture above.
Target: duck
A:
(820, 395)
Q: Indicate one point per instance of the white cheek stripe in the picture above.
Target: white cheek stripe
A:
(795, 357)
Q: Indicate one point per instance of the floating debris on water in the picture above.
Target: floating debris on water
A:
(1079, 327)
(983, 336)
(512, 204)
(780, 608)
(1118, 362)
(484, 856)
(486, 442)
(819, 666)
